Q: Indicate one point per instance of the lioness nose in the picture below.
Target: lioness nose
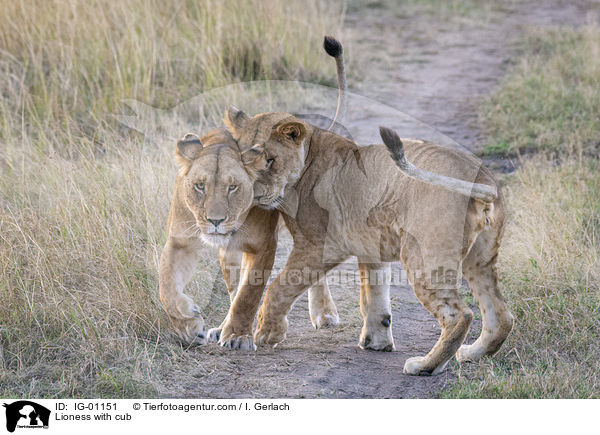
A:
(215, 222)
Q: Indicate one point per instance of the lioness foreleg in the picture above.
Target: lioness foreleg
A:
(259, 243)
(375, 307)
(178, 262)
(237, 327)
(231, 266)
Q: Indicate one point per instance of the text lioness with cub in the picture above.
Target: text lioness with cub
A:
(430, 207)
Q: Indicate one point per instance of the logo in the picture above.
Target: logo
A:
(26, 414)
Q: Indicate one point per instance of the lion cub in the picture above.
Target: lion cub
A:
(440, 213)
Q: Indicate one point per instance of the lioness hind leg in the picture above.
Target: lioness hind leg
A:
(375, 307)
(479, 269)
(321, 307)
(454, 317)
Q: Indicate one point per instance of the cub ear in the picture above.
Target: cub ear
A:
(254, 157)
(293, 130)
(235, 120)
(188, 148)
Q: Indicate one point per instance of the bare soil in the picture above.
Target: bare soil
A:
(435, 69)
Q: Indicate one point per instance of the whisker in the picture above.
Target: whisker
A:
(195, 227)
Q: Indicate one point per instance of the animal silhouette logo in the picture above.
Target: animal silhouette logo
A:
(26, 414)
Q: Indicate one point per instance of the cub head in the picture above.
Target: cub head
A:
(216, 182)
(282, 138)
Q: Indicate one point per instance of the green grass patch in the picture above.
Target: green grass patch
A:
(550, 100)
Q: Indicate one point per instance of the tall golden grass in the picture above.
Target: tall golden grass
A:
(66, 63)
(83, 205)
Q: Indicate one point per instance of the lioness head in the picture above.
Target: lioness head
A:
(217, 182)
(281, 138)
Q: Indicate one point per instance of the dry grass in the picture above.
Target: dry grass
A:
(70, 62)
(83, 203)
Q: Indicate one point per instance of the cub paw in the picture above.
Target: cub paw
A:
(243, 342)
(325, 319)
(271, 333)
(469, 353)
(421, 366)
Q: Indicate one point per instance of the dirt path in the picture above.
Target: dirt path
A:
(435, 70)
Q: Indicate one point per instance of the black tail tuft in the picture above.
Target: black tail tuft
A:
(332, 46)
(393, 143)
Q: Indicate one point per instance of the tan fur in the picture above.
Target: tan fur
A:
(247, 238)
(339, 200)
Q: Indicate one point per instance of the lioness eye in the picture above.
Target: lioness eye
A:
(199, 187)
(270, 163)
(233, 188)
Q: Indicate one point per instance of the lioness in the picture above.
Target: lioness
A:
(212, 203)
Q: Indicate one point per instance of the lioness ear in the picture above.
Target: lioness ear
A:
(188, 148)
(294, 130)
(235, 120)
(254, 157)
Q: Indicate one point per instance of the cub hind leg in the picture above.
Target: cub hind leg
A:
(454, 317)
(479, 268)
(441, 298)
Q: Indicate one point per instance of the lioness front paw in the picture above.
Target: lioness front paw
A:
(186, 319)
(191, 331)
(271, 332)
(422, 366)
(243, 342)
(380, 342)
(236, 336)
